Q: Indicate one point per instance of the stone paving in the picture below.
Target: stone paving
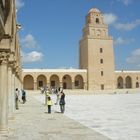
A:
(32, 122)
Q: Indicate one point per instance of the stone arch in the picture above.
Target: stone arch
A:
(54, 81)
(78, 82)
(28, 82)
(41, 81)
(120, 82)
(67, 82)
(128, 82)
(137, 84)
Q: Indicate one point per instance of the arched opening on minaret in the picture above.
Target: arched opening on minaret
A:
(97, 20)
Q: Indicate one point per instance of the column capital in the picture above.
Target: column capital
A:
(4, 56)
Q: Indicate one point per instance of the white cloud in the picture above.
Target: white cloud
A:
(121, 41)
(29, 41)
(110, 18)
(135, 57)
(19, 4)
(33, 56)
(126, 2)
(127, 26)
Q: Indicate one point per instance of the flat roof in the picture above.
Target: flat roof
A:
(54, 70)
(127, 71)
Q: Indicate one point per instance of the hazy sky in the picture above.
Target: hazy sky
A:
(51, 30)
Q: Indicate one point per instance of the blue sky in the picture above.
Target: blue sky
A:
(51, 30)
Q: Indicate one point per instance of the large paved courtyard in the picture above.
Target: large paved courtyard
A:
(113, 115)
(87, 117)
(33, 123)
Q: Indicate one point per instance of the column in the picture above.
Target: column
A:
(61, 84)
(3, 94)
(13, 90)
(35, 85)
(73, 85)
(16, 81)
(85, 85)
(48, 84)
(10, 94)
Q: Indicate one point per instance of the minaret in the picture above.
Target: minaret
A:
(96, 52)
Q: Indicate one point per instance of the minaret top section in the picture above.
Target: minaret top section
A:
(95, 17)
(94, 10)
(95, 26)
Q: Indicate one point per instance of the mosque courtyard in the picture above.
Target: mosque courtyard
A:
(88, 116)
(113, 115)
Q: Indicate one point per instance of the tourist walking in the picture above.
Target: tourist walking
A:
(16, 98)
(49, 104)
(62, 102)
(23, 96)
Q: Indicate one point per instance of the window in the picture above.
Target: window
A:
(137, 85)
(64, 77)
(101, 50)
(40, 83)
(102, 87)
(97, 20)
(137, 78)
(76, 83)
(102, 73)
(101, 61)
(53, 83)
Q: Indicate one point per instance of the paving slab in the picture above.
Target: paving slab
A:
(32, 122)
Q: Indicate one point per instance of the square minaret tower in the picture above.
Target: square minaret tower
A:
(96, 52)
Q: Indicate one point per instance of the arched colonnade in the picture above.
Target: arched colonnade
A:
(67, 81)
(127, 82)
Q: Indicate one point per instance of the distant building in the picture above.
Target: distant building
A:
(96, 67)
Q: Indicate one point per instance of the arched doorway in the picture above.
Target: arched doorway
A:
(78, 82)
(67, 84)
(28, 82)
(64, 85)
(137, 84)
(120, 82)
(54, 81)
(128, 82)
(41, 81)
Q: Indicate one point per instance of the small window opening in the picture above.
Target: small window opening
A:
(97, 20)
(101, 50)
(102, 73)
(101, 61)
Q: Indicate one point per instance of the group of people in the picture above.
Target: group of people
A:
(19, 95)
(59, 100)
